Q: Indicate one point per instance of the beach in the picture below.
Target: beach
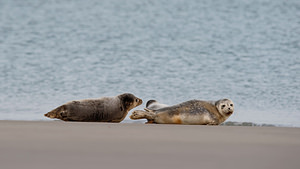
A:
(58, 144)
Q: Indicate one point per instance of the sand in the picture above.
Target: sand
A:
(58, 144)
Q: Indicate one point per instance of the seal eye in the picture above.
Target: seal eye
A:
(231, 105)
(222, 106)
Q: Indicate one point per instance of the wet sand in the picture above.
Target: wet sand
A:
(58, 144)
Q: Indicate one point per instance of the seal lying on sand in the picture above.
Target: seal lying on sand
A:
(105, 109)
(189, 112)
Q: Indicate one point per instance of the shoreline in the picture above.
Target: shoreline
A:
(128, 121)
(49, 144)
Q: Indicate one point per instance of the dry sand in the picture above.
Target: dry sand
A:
(57, 144)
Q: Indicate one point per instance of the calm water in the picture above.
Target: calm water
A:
(52, 52)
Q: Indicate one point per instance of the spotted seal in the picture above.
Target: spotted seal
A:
(189, 112)
(104, 109)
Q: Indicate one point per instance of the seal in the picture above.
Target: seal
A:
(104, 109)
(155, 105)
(196, 112)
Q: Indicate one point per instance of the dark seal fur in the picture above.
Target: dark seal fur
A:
(105, 109)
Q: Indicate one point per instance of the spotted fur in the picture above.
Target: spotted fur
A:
(189, 112)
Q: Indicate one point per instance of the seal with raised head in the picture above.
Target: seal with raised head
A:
(104, 109)
(189, 112)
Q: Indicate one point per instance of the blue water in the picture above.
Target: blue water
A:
(55, 51)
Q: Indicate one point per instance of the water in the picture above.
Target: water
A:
(52, 52)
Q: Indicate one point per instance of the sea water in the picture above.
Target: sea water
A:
(55, 51)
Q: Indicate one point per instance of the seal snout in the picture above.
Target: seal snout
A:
(230, 111)
(140, 101)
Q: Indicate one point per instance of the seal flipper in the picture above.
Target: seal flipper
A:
(56, 113)
(150, 102)
(140, 114)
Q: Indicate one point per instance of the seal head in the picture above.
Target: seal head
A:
(129, 101)
(225, 107)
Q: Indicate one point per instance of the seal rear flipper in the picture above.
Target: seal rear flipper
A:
(149, 110)
(56, 113)
(140, 114)
(150, 102)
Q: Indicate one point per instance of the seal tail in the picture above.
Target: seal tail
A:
(56, 113)
(141, 114)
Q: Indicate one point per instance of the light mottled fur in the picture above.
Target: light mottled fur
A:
(105, 109)
(190, 112)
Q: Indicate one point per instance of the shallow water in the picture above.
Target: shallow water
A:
(52, 52)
